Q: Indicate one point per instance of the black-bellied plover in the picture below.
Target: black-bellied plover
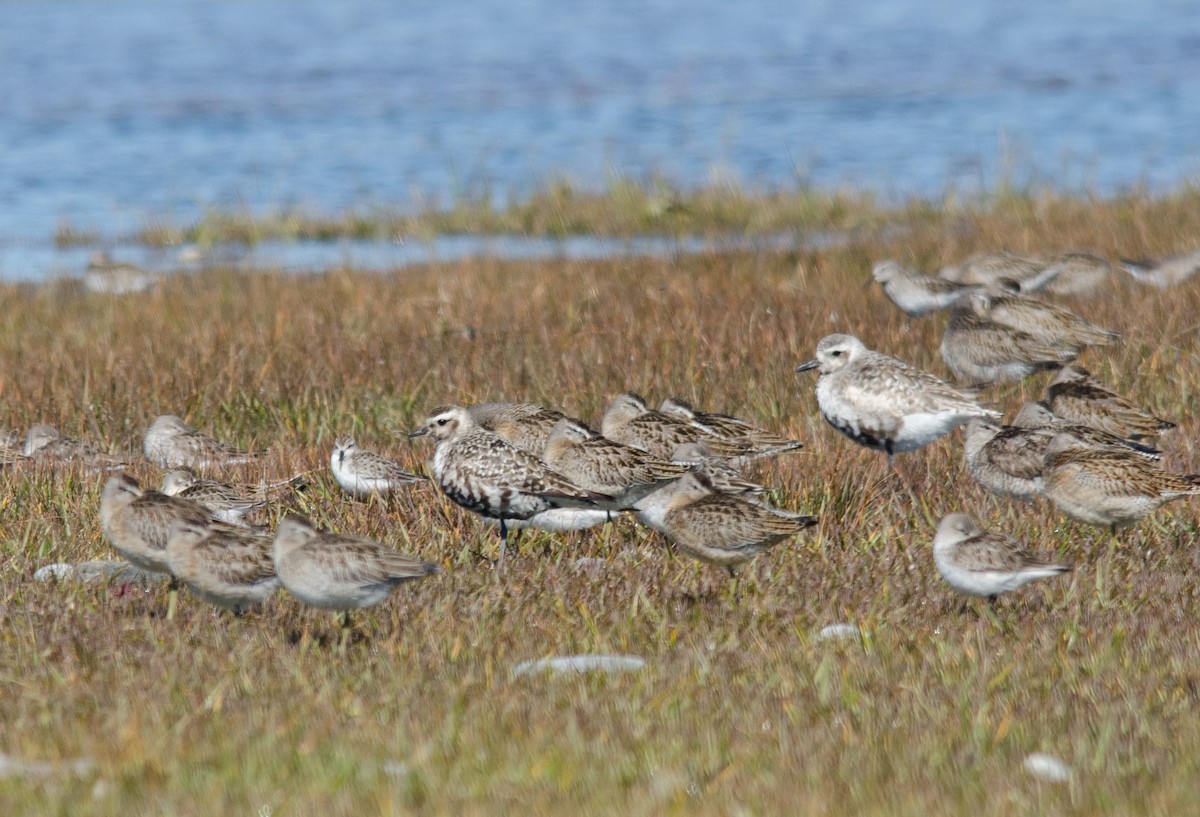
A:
(1110, 487)
(362, 473)
(1164, 272)
(109, 277)
(137, 522)
(337, 571)
(721, 529)
(595, 463)
(492, 477)
(884, 403)
(525, 425)
(226, 566)
(914, 293)
(731, 429)
(44, 444)
(980, 351)
(630, 421)
(985, 564)
(171, 443)
(1075, 395)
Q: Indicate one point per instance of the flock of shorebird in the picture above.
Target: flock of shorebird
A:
(1085, 448)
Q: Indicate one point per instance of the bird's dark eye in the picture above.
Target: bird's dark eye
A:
(442, 421)
(836, 353)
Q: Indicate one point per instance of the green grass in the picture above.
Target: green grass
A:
(741, 710)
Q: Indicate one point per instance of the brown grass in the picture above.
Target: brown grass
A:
(741, 708)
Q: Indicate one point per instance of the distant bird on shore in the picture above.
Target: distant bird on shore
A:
(172, 443)
(984, 564)
(137, 523)
(1077, 274)
(108, 277)
(915, 294)
(340, 572)
(226, 566)
(884, 403)
(721, 529)
(1075, 395)
(494, 478)
(1028, 273)
(630, 421)
(362, 473)
(1046, 322)
(981, 351)
(230, 503)
(44, 444)
(1165, 272)
(730, 429)
(525, 425)
(595, 463)
(1109, 487)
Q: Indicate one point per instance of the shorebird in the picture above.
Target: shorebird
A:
(990, 269)
(363, 473)
(340, 572)
(595, 463)
(108, 277)
(883, 403)
(1109, 487)
(1048, 323)
(1006, 460)
(723, 476)
(730, 429)
(136, 523)
(494, 478)
(984, 564)
(721, 529)
(630, 421)
(227, 567)
(171, 443)
(1075, 395)
(1037, 415)
(44, 444)
(525, 425)
(1078, 273)
(916, 294)
(229, 503)
(980, 351)
(1165, 272)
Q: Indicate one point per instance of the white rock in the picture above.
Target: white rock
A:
(839, 632)
(1047, 767)
(579, 664)
(55, 572)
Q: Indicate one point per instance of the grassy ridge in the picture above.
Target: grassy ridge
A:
(741, 708)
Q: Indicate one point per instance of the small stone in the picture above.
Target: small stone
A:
(579, 664)
(839, 632)
(1047, 767)
(58, 571)
(117, 571)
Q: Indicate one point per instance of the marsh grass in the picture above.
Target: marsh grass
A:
(741, 708)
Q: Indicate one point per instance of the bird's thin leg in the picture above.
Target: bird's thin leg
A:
(172, 598)
(503, 541)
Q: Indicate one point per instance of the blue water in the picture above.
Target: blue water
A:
(118, 113)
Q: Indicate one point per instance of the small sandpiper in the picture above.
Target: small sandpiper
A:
(363, 474)
(984, 564)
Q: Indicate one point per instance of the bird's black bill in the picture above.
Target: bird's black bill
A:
(418, 432)
(804, 367)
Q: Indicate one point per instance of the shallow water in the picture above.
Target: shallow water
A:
(119, 113)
